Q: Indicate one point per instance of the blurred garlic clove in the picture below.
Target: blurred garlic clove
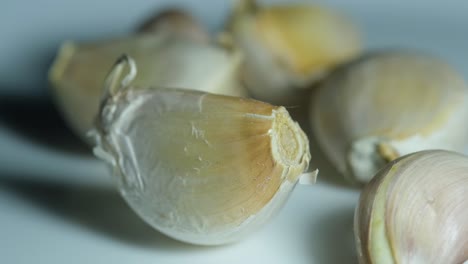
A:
(289, 47)
(201, 168)
(387, 105)
(414, 211)
(178, 23)
(79, 70)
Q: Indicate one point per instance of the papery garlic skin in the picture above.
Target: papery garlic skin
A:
(201, 168)
(414, 211)
(78, 73)
(387, 105)
(289, 47)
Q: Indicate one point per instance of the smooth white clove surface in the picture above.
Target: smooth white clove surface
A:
(387, 105)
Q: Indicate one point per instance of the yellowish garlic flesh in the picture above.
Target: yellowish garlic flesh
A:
(387, 105)
(414, 211)
(201, 168)
(78, 73)
(288, 47)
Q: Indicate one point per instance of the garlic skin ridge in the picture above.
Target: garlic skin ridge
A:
(387, 105)
(201, 168)
(413, 211)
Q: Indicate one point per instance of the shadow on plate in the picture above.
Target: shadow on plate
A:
(337, 243)
(100, 209)
(37, 121)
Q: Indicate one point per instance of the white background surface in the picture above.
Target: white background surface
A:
(56, 201)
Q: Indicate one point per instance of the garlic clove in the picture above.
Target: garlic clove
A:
(387, 105)
(414, 211)
(79, 70)
(178, 23)
(288, 47)
(201, 168)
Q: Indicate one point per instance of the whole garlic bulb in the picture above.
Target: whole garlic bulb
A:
(387, 105)
(288, 47)
(165, 59)
(201, 168)
(414, 211)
